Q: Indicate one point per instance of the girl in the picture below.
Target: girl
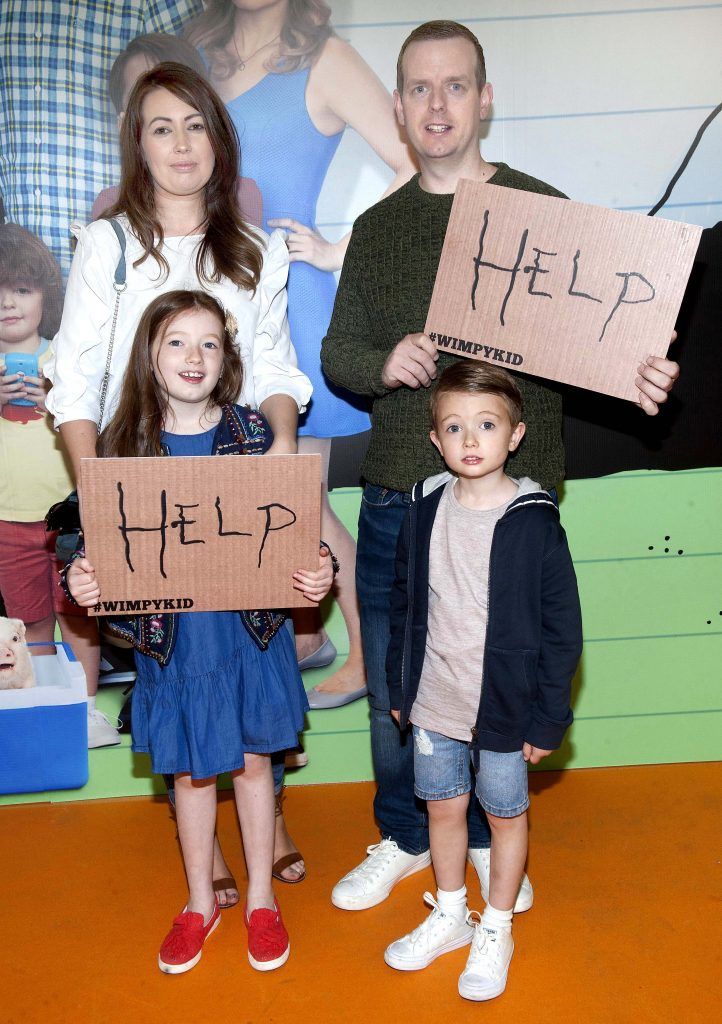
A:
(183, 228)
(35, 472)
(292, 87)
(203, 679)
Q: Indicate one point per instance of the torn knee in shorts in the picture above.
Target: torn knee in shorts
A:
(423, 742)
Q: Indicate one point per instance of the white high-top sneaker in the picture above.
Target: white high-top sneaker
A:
(481, 860)
(484, 976)
(374, 878)
(439, 933)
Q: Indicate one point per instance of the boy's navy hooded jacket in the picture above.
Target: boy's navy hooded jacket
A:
(534, 628)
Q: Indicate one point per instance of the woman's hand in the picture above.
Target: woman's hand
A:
(36, 388)
(11, 386)
(315, 584)
(83, 584)
(306, 245)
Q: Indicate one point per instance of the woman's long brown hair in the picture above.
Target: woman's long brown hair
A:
(229, 248)
(136, 426)
(303, 35)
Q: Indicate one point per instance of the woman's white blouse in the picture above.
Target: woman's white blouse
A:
(80, 348)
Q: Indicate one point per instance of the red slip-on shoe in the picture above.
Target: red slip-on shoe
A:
(183, 945)
(268, 942)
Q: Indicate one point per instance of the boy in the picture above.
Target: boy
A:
(485, 639)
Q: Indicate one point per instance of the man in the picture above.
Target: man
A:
(376, 347)
(59, 145)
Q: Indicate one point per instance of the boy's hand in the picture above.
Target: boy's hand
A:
(655, 381)
(534, 754)
(36, 390)
(315, 584)
(396, 715)
(11, 386)
(83, 584)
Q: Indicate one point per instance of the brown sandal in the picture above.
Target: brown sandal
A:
(219, 884)
(288, 859)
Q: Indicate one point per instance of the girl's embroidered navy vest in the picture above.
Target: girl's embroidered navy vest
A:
(240, 431)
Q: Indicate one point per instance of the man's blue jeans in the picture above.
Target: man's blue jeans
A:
(400, 815)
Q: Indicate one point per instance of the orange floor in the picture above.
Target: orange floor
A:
(626, 924)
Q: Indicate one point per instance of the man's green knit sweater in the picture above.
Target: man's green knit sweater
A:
(384, 294)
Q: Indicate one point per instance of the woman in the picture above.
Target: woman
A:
(179, 212)
(292, 86)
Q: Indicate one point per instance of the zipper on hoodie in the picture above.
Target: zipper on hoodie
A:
(406, 650)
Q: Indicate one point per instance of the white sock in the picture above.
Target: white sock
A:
(496, 920)
(91, 703)
(452, 903)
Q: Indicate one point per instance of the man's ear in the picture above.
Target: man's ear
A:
(517, 434)
(399, 108)
(486, 98)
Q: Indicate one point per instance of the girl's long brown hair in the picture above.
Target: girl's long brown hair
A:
(136, 426)
(229, 248)
(303, 35)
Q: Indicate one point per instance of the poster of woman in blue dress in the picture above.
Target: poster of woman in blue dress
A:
(292, 86)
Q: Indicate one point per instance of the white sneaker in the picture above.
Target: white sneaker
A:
(100, 732)
(481, 860)
(372, 881)
(484, 976)
(438, 934)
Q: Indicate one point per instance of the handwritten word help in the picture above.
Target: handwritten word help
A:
(633, 288)
(179, 525)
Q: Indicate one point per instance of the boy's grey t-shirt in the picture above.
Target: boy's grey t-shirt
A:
(449, 691)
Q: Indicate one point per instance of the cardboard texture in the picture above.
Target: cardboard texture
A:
(558, 289)
(200, 533)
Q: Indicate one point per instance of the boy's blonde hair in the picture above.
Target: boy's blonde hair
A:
(477, 378)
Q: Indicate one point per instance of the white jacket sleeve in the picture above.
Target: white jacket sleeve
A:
(79, 349)
(275, 367)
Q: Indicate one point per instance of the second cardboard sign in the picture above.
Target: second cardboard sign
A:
(558, 289)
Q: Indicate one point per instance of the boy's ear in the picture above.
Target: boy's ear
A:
(516, 436)
(435, 441)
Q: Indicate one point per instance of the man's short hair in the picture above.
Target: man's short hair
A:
(477, 378)
(442, 30)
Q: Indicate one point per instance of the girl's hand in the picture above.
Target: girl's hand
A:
(315, 584)
(82, 583)
(36, 389)
(306, 245)
(534, 754)
(11, 386)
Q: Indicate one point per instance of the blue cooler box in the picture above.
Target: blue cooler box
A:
(44, 728)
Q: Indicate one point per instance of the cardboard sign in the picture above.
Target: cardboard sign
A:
(200, 533)
(558, 289)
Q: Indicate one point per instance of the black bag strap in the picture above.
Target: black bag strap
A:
(119, 285)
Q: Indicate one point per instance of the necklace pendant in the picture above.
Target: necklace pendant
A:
(241, 65)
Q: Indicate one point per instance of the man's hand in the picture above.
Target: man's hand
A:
(396, 715)
(534, 754)
(655, 381)
(82, 583)
(412, 362)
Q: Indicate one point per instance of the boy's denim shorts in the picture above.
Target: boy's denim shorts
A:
(442, 769)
